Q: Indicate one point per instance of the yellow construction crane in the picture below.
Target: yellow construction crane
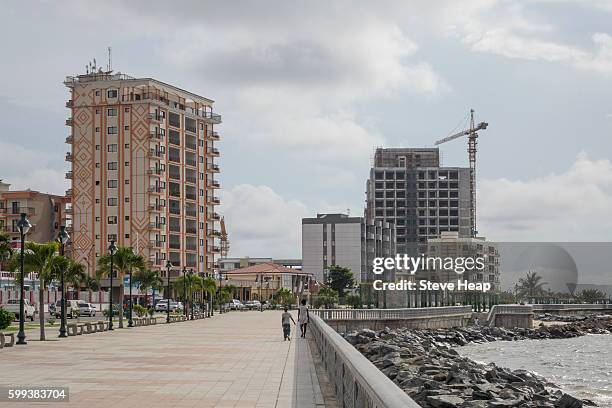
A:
(224, 240)
(472, 136)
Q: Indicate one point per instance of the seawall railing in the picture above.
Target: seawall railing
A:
(357, 382)
(390, 314)
(577, 306)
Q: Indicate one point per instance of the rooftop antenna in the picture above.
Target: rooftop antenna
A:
(94, 64)
(87, 68)
(110, 60)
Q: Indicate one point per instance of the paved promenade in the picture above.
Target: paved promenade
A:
(238, 359)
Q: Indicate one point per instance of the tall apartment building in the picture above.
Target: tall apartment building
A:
(351, 242)
(143, 170)
(408, 188)
(46, 212)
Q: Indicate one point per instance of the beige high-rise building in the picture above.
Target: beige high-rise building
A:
(143, 170)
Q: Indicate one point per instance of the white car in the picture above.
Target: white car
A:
(235, 304)
(87, 309)
(73, 309)
(29, 311)
(162, 305)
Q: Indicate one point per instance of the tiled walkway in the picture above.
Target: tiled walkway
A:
(237, 359)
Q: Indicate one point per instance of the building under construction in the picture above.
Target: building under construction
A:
(408, 187)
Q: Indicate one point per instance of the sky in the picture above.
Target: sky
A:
(308, 90)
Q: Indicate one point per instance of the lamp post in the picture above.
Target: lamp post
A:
(220, 302)
(168, 267)
(112, 250)
(24, 226)
(63, 238)
(131, 320)
(184, 291)
(191, 290)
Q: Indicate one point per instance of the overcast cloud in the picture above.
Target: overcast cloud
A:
(307, 90)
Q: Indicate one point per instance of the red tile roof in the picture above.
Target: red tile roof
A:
(268, 268)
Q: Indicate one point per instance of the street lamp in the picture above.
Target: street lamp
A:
(131, 320)
(191, 290)
(168, 267)
(220, 301)
(184, 291)
(112, 250)
(63, 238)
(24, 226)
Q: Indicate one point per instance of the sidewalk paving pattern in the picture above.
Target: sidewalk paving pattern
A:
(238, 359)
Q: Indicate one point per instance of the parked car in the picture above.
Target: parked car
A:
(87, 309)
(235, 304)
(72, 309)
(29, 311)
(253, 305)
(162, 305)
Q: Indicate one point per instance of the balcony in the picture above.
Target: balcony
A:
(155, 244)
(69, 103)
(212, 135)
(214, 200)
(213, 168)
(69, 175)
(213, 152)
(69, 157)
(214, 184)
(69, 192)
(155, 117)
(155, 153)
(212, 233)
(155, 135)
(68, 210)
(213, 216)
(69, 139)
(154, 172)
(155, 189)
(155, 225)
(214, 249)
(210, 117)
(69, 122)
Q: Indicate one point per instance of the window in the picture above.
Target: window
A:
(127, 164)
(112, 219)
(127, 217)
(112, 202)
(97, 129)
(97, 182)
(97, 201)
(127, 199)
(126, 110)
(126, 127)
(97, 111)
(112, 165)
(127, 181)
(111, 111)
(112, 237)
(97, 219)
(112, 183)
(97, 147)
(111, 93)
(98, 93)
(174, 119)
(112, 148)
(127, 235)
(111, 130)
(127, 145)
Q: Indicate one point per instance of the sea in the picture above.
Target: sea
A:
(580, 366)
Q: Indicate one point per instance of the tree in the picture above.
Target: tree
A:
(148, 279)
(6, 251)
(354, 301)
(326, 297)
(505, 298)
(591, 295)
(124, 262)
(92, 283)
(531, 285)
(340, 279)
(284, 297)
(209, 285)
(43, 260)
(75, 275)
(190, 283)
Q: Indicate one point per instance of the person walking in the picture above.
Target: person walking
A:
(286, 322)
(303, 318)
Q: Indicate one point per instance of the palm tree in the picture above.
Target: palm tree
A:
(209, 285)
(189, 283)
(124, 261)
(75, 275)
(92, 283)
(148, 279)
(6, 251)
(531, 285)
(43, 260)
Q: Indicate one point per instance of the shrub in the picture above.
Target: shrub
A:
(6, 318)
(353, 300)
(140, 310)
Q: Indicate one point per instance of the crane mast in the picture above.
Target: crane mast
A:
(472, 135)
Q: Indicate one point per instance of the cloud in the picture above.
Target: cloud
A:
(28, 168)
(558, 207)
(262, 223)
